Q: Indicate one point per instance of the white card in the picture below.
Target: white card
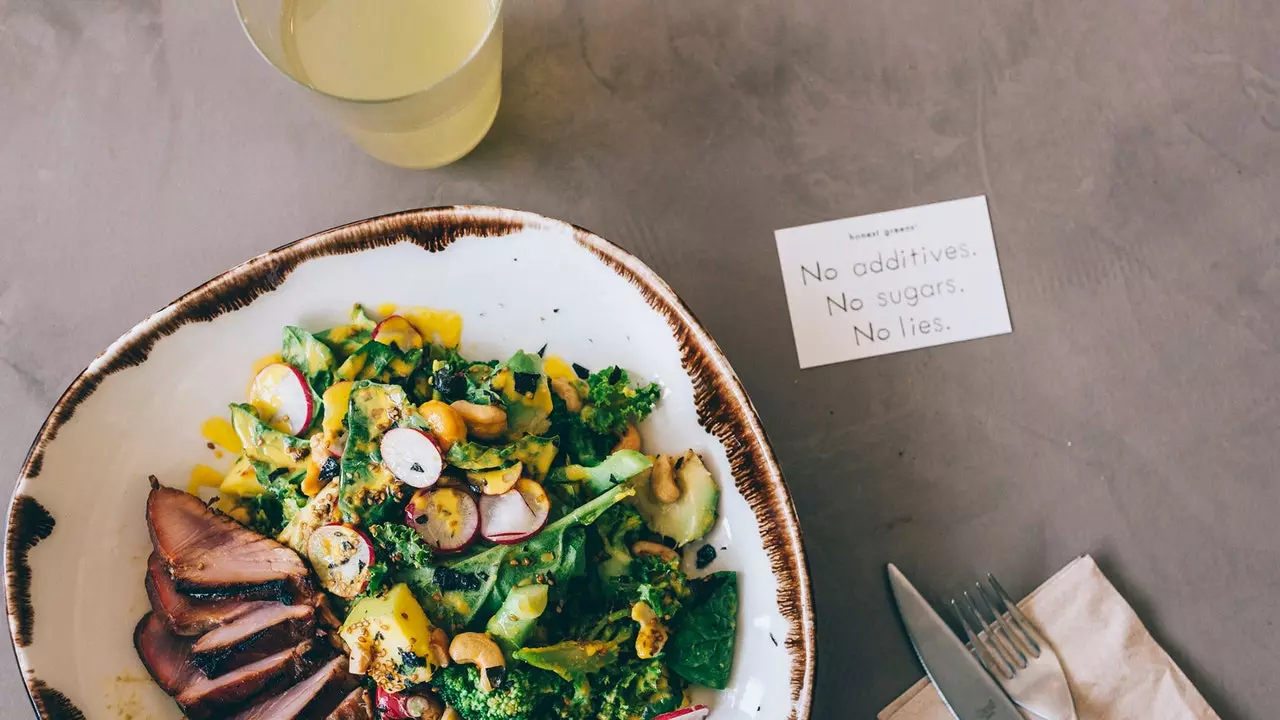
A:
(893, 281)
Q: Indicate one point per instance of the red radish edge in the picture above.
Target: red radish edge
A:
(399, 706)
(389, 318)
(302, 388)
(416, 508)
(526, 490)
(697, 712)
(369, 556)
(414, 459)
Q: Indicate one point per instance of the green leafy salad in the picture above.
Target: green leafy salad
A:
(491, 534)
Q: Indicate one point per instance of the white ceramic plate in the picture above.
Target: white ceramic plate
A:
(77, 544)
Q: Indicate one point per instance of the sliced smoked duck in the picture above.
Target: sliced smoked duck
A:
(253, 636)
(327, 683)
(222, 696)
(357, 705)
(207, 552)
(186, 615)
(166, 656)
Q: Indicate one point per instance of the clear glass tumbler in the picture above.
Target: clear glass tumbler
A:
(416, 83)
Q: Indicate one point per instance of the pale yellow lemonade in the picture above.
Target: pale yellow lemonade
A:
(393, 50)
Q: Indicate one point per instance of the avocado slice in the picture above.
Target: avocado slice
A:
(619, 466)
(692, 515)
(266, 444)
(571, 659)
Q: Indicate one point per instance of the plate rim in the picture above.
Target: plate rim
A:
(736, 424)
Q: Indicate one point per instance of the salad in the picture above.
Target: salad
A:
(492, 536)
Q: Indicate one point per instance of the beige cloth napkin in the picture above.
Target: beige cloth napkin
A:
(1115, 669)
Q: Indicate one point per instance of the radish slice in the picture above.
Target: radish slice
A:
(412, 456)
(401, 706)
(447, 518)
(497, 481)
(515, 515)
(282, 396)
(397, 331)
(341, 557)
(697, 712)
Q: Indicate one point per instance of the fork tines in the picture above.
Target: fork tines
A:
(1001, 635)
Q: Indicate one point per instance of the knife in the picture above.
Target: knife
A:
(966, 688)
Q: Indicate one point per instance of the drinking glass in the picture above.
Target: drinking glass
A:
(415, 83)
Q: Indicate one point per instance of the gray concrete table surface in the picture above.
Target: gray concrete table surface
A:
(1130, 152)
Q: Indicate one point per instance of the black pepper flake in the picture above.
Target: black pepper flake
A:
(774, 639)
(497, 675)
(421, 519)
(330, 469)
(555, 310)
(581, 372)
(209, 445)
(416, 467)
(706, 556)
(449, 579)
(452, 386)
(526, 382)
(543, 352)
(615, 376)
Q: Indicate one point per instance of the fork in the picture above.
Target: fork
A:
(1014, 652)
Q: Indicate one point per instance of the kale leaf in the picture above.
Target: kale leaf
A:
(612, 403)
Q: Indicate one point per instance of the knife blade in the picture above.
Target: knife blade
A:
(966, 688)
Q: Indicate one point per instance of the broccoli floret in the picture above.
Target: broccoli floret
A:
(660, 583)
(524, 692)
(642, 689)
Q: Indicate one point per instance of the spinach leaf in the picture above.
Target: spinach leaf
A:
(346, 339)
(381, 362)
(368, 492)
(310, 357)
(703, 633)
(557, 554)
(282, 498)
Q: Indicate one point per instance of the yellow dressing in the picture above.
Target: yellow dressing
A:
(219, 431)
(336, 401)
(439, 326)
(203, 476)
(241, 480)
(259, 364)
(555, 367)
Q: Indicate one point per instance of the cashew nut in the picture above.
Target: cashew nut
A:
(438, 648)
(446, 425)
(567, 392)
(450, 714)
(487, 422)
(662, 481)
(630, 439)
(653, 634)
(645, 547)
(475, 648)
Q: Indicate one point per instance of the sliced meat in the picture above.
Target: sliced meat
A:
(253, 636)
(355, 706)
(210, 552)
(204, 697)
(166, 656)
(184, 614)
(307, 694)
